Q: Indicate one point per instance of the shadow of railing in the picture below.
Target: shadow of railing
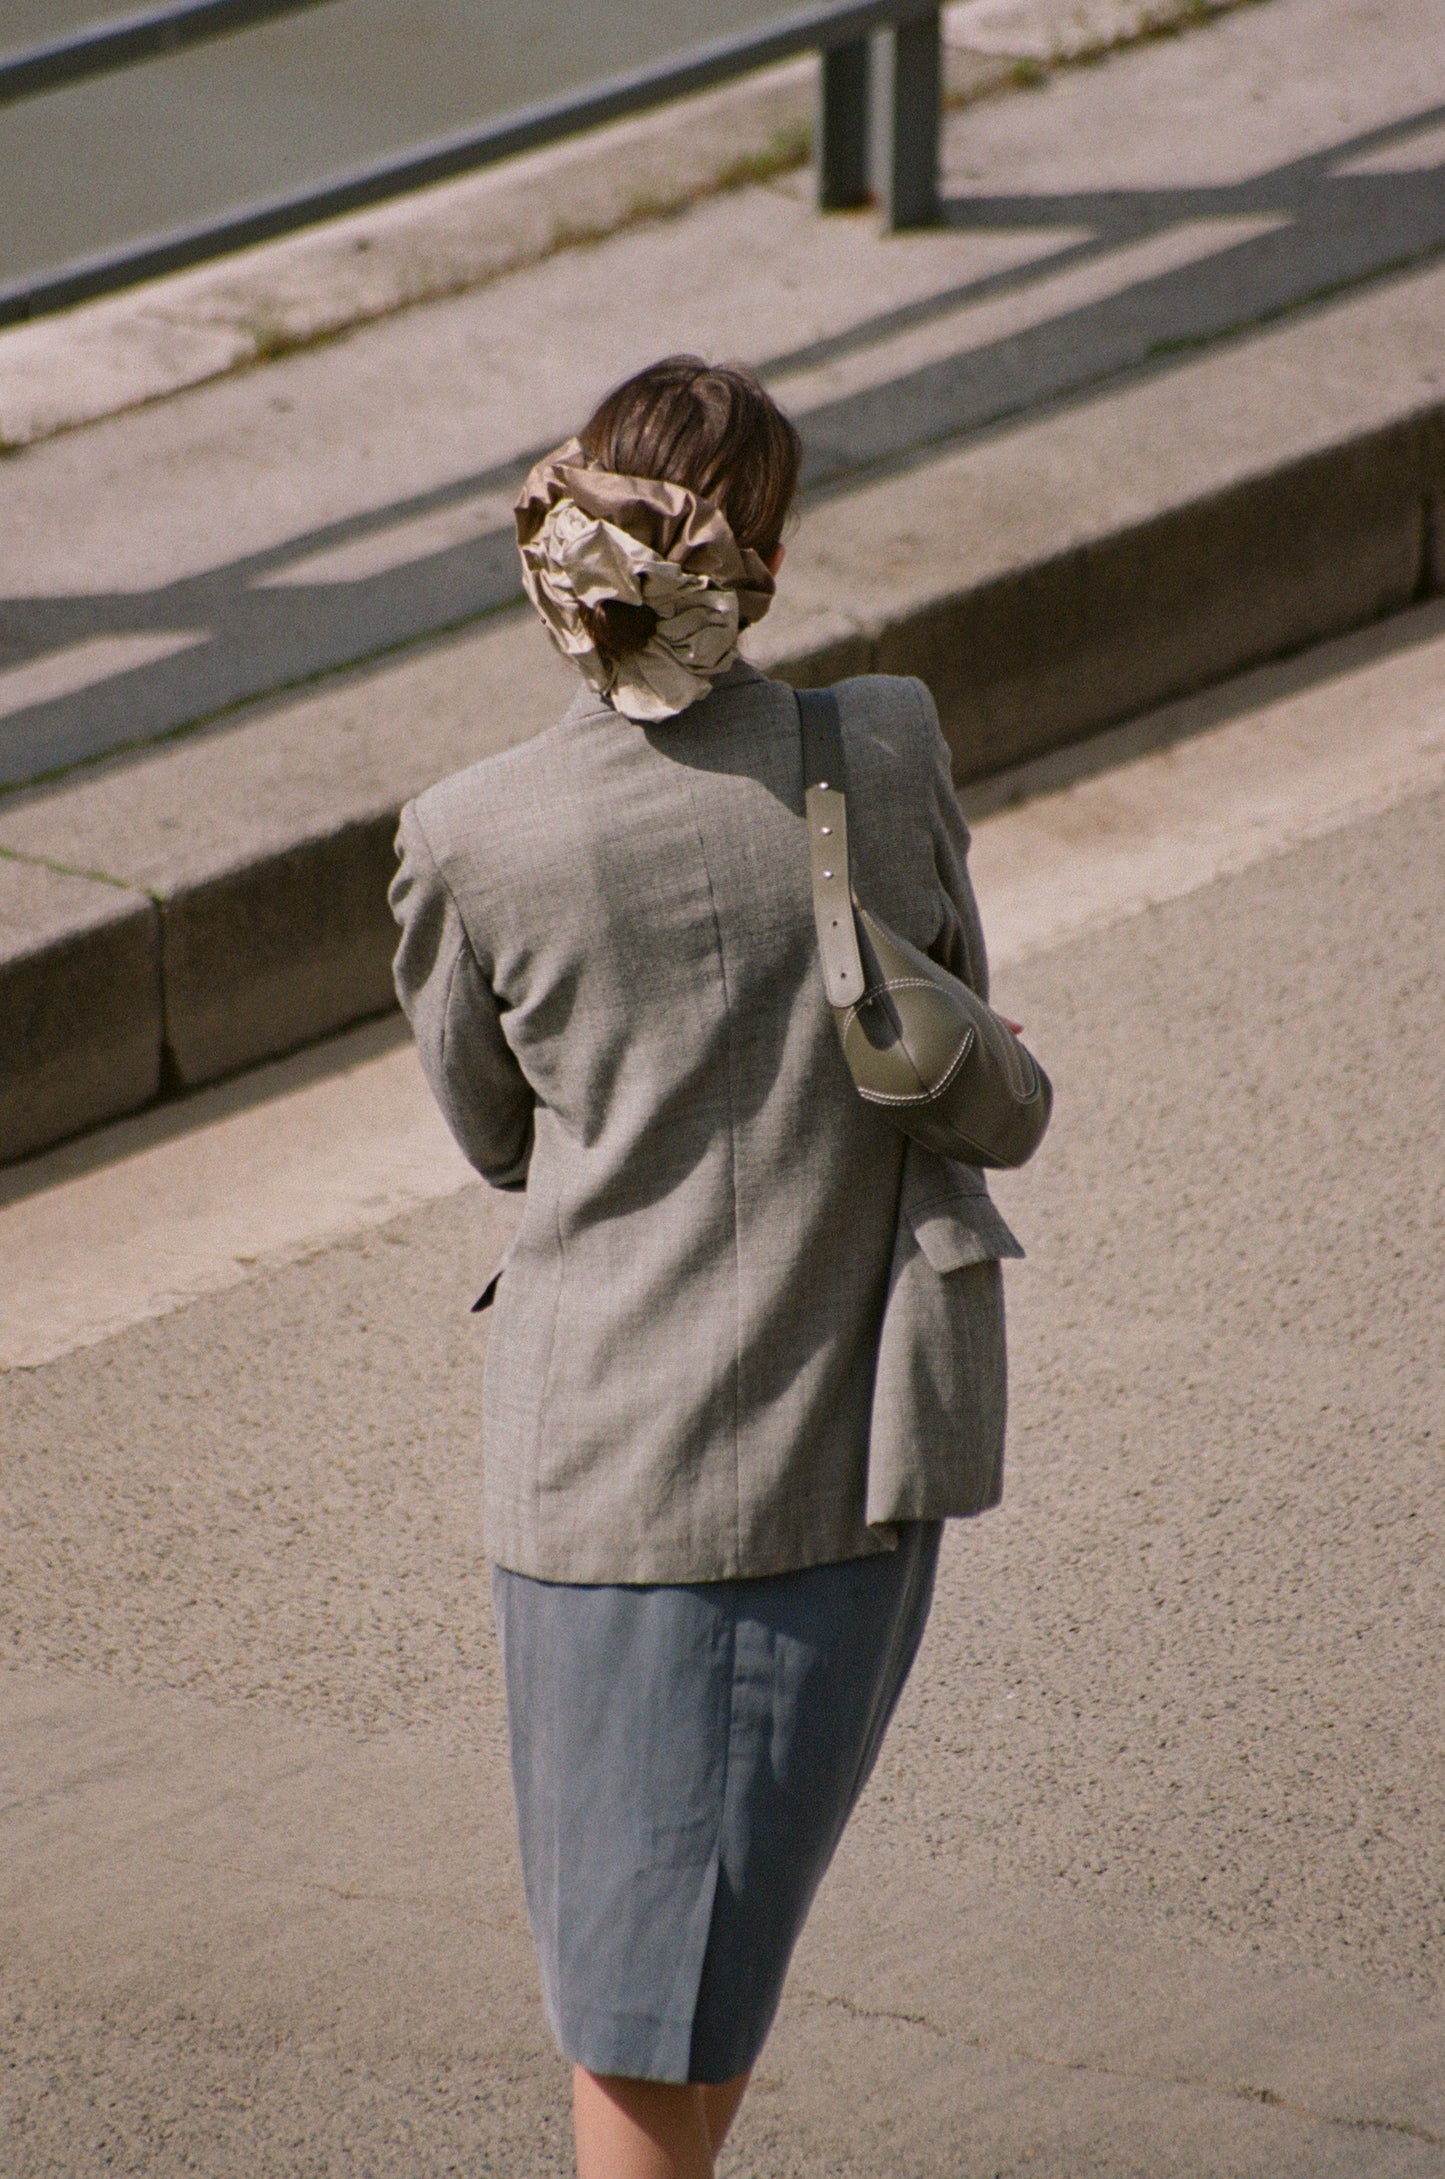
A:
(1312, 229)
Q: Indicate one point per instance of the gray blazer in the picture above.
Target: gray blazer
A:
(744, 1327)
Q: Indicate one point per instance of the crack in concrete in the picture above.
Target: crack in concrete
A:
(281, 1881)
(73, 870)
(879, 2012)
(1241, 2091)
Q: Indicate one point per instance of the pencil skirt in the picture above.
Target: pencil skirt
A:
(684, 1759)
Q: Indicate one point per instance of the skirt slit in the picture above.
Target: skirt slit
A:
(685, 1757)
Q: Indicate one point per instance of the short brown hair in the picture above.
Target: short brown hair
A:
(711, 427)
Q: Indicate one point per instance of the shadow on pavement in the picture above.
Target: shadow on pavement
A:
(255, 631)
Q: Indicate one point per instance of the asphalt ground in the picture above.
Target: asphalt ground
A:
(1149, 1880)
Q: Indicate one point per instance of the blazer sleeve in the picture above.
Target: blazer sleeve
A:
(959, 945)
(473, 1074)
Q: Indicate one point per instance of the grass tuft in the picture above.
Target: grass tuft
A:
(790, 147)
(272, 338)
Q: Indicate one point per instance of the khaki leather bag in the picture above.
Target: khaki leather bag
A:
(919, 1043)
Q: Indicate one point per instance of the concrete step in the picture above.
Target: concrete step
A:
(190, 1197)
(1021, 491)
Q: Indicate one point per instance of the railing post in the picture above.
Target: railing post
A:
(844, 74)
(907, 177)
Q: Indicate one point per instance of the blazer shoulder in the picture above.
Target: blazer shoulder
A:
(890, 700)
(895, 707)
(487, 795)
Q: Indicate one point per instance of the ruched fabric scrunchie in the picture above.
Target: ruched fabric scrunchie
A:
(587, 535)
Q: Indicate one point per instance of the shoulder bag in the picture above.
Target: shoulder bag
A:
(919, 1043)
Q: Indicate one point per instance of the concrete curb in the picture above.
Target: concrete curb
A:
(296, 942)
(1102, 632)
(1046, 582)
(80, 1000)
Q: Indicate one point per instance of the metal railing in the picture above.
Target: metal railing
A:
(877, 130)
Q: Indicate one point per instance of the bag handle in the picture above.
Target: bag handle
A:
(826, 802)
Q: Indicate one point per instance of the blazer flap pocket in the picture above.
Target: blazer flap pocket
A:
(961, 1229)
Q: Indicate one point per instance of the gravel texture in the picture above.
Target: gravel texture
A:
(1171, 1763)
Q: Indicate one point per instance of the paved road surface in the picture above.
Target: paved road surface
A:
(1149, 1881)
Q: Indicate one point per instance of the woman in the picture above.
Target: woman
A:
(747, 1348)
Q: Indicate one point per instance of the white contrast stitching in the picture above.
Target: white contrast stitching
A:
(918, 1097)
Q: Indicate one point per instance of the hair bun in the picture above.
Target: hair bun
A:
(619, 628)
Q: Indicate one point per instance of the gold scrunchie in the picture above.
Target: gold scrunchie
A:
(587, 535)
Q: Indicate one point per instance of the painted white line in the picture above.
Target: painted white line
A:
(148, 1215)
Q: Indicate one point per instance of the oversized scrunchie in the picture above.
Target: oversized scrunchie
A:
(587, 535)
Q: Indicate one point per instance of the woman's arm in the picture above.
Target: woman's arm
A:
(959, 945)
(484, 1097)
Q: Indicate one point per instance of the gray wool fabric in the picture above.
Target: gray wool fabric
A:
(744, 1326)
(685, 1758)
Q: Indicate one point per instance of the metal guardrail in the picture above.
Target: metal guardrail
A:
(877, 131)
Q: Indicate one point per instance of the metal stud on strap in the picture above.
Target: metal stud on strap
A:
(827, 810)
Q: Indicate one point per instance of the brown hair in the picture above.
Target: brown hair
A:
(711, 428)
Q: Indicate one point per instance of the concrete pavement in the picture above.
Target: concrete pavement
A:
(1149, 1881)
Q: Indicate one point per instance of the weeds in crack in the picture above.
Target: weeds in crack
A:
(73, 870)
(790, 147)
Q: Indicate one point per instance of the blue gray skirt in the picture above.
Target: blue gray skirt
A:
(685, 1759)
